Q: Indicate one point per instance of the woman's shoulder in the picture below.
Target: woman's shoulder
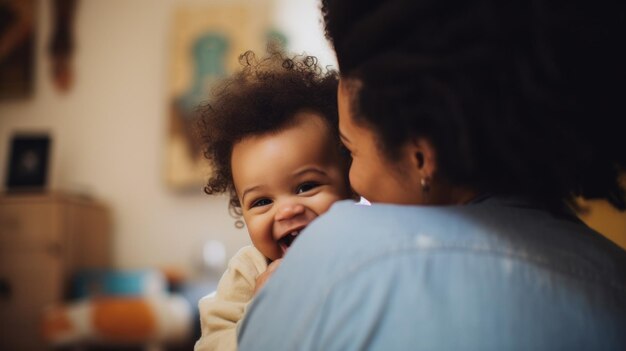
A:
(350, 232)
(349, 218)
(353, 214)
(502, 227)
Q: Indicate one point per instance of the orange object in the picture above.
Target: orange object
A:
(124, 320)
(56, 322)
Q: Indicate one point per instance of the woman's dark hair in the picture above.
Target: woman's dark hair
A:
(517, 97)
(263, 97)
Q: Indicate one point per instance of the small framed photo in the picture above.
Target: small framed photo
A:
(28, 162)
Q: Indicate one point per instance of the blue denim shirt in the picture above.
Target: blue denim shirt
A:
(499, 274)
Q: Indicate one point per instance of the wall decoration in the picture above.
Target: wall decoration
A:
(206, 44)
(61, 47)
(28, 162)
(17, 49)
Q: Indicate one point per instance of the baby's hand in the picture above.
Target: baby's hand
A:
(263, 277)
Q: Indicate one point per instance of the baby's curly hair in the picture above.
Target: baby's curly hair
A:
(263, 97)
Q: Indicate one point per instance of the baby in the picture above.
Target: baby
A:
(272, 138)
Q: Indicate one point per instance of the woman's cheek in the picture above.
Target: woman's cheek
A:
(356, 178)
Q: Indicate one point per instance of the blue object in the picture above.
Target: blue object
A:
(91, 283)
(500, 274)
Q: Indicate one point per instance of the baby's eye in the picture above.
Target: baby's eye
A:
(260, 202)
(306, 187)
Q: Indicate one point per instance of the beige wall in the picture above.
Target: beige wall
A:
(109, 131)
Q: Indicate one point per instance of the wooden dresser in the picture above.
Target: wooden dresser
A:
(44, 239)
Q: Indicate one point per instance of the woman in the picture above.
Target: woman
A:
(483, 121)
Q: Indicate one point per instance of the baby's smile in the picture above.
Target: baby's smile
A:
(288, 238)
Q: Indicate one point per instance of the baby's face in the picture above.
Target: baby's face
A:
(285, 180)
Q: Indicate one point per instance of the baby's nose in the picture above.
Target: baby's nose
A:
(289, 211)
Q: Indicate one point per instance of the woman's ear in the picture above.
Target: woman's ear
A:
(424, 157)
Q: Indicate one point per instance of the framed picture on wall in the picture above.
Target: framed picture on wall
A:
(28, 162)
(17, 49)
(206, 43)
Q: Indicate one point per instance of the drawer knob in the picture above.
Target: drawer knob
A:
(5, 289)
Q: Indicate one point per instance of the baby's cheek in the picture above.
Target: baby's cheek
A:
(260, 230)
(329, 199)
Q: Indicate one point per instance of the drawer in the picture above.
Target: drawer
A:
(30, 225)
(90, 244)
(28, 283)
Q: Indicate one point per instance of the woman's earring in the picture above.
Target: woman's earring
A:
(425, 187)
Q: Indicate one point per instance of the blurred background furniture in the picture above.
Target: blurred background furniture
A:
(120, 310)
(44, 239)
